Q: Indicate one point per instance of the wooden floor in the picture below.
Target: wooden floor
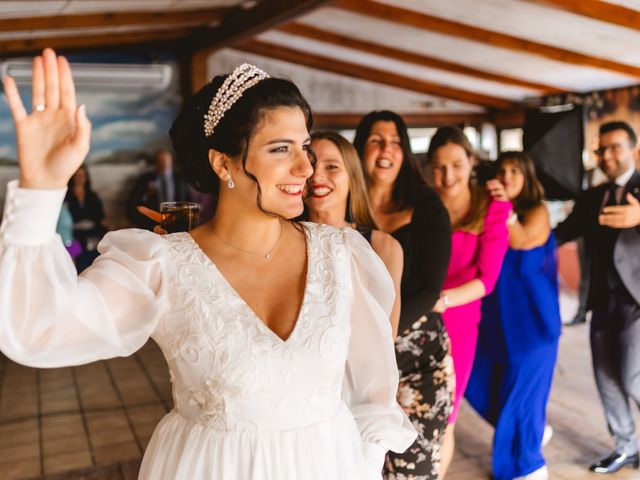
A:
(574, 411)
(96, 420)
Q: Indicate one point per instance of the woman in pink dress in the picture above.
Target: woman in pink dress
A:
(478, 245)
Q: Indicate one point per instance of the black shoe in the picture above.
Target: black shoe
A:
(577, 319)
(615, 462)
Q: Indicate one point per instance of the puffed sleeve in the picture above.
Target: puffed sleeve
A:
(371, 380)
(493, 243)
(50, 316)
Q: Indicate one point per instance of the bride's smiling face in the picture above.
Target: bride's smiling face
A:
(280, 160)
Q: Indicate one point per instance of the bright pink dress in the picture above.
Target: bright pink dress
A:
(473, 256)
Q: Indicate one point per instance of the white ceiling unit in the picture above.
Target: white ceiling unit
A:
(102, 76)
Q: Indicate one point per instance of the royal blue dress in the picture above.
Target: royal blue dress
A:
(515, 358)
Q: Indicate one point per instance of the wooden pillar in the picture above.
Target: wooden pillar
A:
(199, 74)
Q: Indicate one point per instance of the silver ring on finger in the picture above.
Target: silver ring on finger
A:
(39, 107)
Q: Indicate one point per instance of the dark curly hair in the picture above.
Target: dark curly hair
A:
(234, 131)
(409, 181)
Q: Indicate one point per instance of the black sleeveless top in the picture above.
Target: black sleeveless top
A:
(365, 232)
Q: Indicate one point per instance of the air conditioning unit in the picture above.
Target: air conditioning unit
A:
(102, 76)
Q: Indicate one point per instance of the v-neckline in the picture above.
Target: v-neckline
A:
(261, 323)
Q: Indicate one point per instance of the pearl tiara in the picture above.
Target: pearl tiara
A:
(242, 78)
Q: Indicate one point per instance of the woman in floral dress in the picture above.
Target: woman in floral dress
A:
(404, 206)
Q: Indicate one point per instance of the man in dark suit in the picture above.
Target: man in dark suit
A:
(153, 188)
(608, 217)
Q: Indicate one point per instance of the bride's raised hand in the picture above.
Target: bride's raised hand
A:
(54, 139)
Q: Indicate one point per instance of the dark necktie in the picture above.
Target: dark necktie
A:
(613, 194)
(164, 189)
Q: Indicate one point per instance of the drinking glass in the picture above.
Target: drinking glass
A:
(179, 216)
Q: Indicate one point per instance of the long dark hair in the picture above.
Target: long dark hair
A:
(474, 221)
(532, 191)
(87, 179)
(232, 134)
(409, 181)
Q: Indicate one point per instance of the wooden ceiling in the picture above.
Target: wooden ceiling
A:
(468, 58)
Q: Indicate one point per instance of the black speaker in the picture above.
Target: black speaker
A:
(555, 141)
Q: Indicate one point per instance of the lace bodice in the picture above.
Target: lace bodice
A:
(225, 361)
(231, 375)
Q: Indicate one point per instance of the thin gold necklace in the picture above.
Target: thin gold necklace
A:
(267, 255)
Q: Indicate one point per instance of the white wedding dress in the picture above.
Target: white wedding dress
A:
(247, 405)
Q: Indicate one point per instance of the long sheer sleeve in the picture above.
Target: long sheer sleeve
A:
(492, 244)
(371, 380)
(50, 316)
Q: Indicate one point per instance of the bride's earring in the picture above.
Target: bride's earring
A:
(230, 183)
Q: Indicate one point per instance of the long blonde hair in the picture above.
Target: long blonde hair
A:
(358, 206)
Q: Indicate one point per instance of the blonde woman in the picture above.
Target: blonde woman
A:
(339, 198)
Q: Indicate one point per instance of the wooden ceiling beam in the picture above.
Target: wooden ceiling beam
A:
(237, 26)
(326, 36)
(507, 118)
(241, 24)
(370, 74)
(12, 48)
(447, 27)
(597, 10)
(111, 19)
(351, 120)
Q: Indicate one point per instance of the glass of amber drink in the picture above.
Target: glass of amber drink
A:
(179, 216)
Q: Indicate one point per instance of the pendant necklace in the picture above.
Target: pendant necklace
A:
(267, 255)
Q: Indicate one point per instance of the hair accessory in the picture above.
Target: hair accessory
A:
(242, 78)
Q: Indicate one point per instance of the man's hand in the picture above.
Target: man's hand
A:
(621, 216)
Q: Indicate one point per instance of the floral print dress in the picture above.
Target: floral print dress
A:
(423, 352)
(425, 394)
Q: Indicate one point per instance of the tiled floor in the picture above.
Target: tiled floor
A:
(97, 415)
(96, 420)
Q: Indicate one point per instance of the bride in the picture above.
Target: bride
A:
(276, 333)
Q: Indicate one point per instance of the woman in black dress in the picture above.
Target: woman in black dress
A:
(404, 206)
(89, 220)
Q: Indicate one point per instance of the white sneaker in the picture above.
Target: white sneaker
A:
(540, 474)
(546, 436)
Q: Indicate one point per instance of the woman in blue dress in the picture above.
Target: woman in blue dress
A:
(519, 331)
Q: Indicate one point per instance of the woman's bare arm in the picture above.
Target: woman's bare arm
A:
(532, 232)
(390, 252)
